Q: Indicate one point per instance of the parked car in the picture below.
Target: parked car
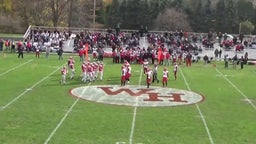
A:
(253, 45)
(239, 47)
(54, 49)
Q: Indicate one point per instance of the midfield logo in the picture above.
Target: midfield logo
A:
(152, 96)
(137, 95)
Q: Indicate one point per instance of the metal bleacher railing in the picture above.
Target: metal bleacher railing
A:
(76, 30)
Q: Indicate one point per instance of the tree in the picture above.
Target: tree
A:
(220, 14)
(195, 11)
(172, 20)
(245, 10)
(6, 6)
(231, 23)
(246, 27)
(32, 12)
(57, 8)
(132, 13)
(111, 14)
(178, 4)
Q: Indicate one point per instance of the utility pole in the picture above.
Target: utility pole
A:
(70, 13)
(240, 27)
(94, 9)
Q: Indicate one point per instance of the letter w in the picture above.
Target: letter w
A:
(130, 92)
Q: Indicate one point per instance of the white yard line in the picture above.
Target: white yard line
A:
(16, 67)
(135, 113)
(65, 116)
(199, 111)
(27, 90)
(234, 86)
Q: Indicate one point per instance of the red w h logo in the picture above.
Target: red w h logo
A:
(152, 96)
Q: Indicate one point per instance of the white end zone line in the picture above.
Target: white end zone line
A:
(135, 113)
(199, 111)
(125, 143)
(28, 89)
(65, 116)
(246, 98)
(15, 67)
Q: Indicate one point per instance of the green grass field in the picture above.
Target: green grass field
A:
(11, 35)
(36, 109)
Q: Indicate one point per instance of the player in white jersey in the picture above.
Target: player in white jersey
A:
(84, 71)
(70, 61)
(165, 77)
(94, 71)
(90, 71)
(145, 66)
(72, 69)
(64, 72)
(155, 70)
(148, 77)
(101, 70)
(128, 72)
(123, 73)
(175, 70)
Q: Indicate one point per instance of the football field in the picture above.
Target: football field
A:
(205, 105)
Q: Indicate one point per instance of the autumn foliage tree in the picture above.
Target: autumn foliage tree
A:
(194, 15)
(172, 20)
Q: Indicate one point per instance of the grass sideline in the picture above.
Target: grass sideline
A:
(11, 35)
(43, 103)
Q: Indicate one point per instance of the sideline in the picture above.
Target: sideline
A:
(135, 112)
(237, 89)
(27, 90)
(65, 116)
(199, 110)
(15, 67)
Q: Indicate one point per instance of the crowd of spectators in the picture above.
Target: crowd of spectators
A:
(43, 39)
(127, 46)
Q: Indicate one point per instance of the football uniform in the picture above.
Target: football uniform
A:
(101, 68)
(72, 69)
(165, 76)
(145, 66)
(84, 70)
(63, 75)
(175, 71)
(123, 73)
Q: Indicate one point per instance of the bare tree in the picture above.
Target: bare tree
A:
(172, 20)
(57, 8)
(31, 12)
(83, 13)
